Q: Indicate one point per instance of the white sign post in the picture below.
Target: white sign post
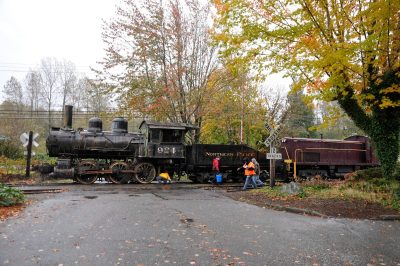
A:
(272, 155)
(27, 140)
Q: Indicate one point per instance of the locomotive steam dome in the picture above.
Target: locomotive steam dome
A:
(119, 125)
(95, 124)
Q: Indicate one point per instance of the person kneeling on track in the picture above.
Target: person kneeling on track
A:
(163, 178)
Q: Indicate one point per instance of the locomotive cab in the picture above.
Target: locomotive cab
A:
(163, 140)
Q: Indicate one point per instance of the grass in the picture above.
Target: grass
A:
(375, 190)
(274, 192)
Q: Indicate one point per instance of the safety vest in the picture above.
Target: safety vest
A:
(248, 171)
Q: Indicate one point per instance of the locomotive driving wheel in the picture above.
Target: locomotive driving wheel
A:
(145, 172)
(117, 177)
(83, 177)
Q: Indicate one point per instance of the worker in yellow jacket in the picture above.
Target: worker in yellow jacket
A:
(164, 178)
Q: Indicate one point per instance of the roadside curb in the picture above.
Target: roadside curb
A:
(296, 210)
(387, 218)
(315, 213)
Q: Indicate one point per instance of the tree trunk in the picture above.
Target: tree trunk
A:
(385, 135)
(381, 127)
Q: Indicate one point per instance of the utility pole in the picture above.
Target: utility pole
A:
(241, 117)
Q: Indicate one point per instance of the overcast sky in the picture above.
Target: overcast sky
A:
(66, 29)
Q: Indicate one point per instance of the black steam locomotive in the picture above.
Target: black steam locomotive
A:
(120, 156)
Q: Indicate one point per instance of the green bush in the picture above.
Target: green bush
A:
(368, 174)
(44, 158)
(10, 196)
(10, 150)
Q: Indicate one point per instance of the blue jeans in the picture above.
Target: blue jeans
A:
(249, 179)
(256, 179)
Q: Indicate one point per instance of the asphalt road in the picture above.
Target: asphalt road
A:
(175, 225)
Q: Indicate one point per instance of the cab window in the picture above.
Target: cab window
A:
(172, 135)
(155, 135)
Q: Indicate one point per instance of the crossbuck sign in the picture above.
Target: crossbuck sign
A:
(25, 139)
(273, 135)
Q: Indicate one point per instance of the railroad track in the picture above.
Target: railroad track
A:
(41, 191)
(100, 187)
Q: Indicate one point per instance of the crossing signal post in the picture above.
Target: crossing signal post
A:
(272, 155)
(27, 141)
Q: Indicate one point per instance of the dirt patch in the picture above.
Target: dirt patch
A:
(20, 180)
(356, 209)
(11, 211)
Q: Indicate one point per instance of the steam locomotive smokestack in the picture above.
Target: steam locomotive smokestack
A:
(68, 116)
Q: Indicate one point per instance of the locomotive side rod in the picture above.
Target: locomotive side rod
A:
(97, 172)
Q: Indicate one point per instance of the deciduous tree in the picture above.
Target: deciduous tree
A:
(159, 58)
(235, 112)
(68, 80)
(343, 50)
(32, 89)
(14, 93)
(50, 76)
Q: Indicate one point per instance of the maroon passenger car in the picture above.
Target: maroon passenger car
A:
(327, 157)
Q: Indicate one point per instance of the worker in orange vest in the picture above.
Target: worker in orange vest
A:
(249, 172)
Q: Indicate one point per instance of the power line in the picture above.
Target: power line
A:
(27, 71)
(36, 65)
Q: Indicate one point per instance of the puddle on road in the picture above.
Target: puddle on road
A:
(90, 197)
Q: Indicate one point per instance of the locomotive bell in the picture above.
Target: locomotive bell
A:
(95, 125)
(119, 125)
